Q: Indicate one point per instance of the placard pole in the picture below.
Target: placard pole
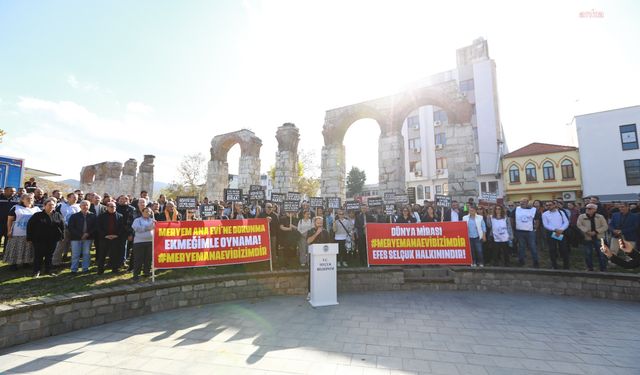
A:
(153, 256)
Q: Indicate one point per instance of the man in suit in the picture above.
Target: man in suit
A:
(454, 213)
(112, 234)
(361, 221)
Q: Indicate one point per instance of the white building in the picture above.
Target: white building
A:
(424, 134)
(609, 153)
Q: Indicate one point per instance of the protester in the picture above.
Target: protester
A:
(19, 252)
(318, 234)
(30, 185)
(477, 235)
(362, 219)
(430, 215)
(142, 242)
(342, 227)
(44, 230)
(556, 222)
(304, 225)
(593, 227)
(8, 199)
(66, 209)
(624, 225)
(526, 225)
(82, 227)
(288, 238)
(112, 234)
(170, 213)
(454, 213)
(274, 225)
(502, 234)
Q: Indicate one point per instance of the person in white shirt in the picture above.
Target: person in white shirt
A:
(556, 222)
(343, 228)
(67, 209)
(304, 225)
(526, 225)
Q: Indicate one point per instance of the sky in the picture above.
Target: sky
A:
(83, 82)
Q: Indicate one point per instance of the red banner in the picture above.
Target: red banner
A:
(180, 244)
(421, 243)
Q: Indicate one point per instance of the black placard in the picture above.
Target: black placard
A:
(315, 202)
(294, 196)
(374, 202)
(278, 197)
(402, 198)
(443, 201)
(207, 210)
(233, 195)
(256, 195)
(389, 198)
(291, 206)
(411, 192)
(186, 203)
(256, 187)
(389, 209)
(352, 205)
(334, 202)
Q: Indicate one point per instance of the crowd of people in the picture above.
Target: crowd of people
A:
(40, 230)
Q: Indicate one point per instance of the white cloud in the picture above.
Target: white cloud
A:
(138, 107)
(82, 85)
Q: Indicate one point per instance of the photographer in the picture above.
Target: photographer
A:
(624, 225)
(628, 250)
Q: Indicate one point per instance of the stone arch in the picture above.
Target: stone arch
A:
(218, 168)
(390, 113)
(286, 171)
(88, 175)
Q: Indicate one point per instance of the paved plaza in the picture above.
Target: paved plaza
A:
(368, 333)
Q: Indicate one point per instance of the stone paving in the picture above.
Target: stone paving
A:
(369, 333)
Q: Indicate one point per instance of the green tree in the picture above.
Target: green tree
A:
(191, 180)
(355, 181)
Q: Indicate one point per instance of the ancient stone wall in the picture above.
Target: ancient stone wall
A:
(116, 179)
(286, 174)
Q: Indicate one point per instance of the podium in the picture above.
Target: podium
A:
(324, 278)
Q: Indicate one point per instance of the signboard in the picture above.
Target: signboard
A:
(291, 206)
(315, 202)
(352, 205)
(411, 192)
(294, 196)
(256, 187)
(186, 203)
(334, 202)
(389, 209)
(489, 197)
(232, 195)
(374, 202)
(11, 172)
(420, 243)
(389, 197)
(402, 198)
(182, 244)
(207, 210)
(278, 197)
(443, 201)
(256, 195)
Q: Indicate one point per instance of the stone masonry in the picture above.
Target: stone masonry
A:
(286, 176)
(116, 179)
(218, 169)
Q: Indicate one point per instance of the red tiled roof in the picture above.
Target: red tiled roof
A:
(539, 148)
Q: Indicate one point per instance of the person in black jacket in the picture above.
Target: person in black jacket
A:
(406, 216)
(628, 251)
(82, 228)
(44, 230)
(361, 221)
(111, 234)
(128, 214)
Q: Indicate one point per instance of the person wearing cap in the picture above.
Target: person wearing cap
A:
(593, 226)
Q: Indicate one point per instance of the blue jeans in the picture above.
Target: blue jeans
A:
(476, 250)
(589, 247)
(80, 248)
(527, 238)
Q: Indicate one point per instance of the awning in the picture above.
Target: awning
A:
(630, 197)
(31, 172)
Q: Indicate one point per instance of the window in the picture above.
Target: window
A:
(632, 171)
(548, 172)
(567, 169)
(420, 192)
(441, 138)
(412, 166)
(438, 189)
(530, 172)
(493, 186)
(629, 137)
(441, 163)
(413, 122)
(445, 189)
(466, 85)
(514, 174)
(414, 143)
(427, 192)
(440, 115)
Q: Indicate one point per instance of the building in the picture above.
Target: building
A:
(427, 134)
(542, 171)
(610, 154)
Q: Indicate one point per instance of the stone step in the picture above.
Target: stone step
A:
(423, 274)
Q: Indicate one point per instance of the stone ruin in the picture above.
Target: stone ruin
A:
(115, 178)
(286, 178)
(390, 113)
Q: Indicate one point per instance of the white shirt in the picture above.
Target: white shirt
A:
(499, 229)
(23, 214)
(67, 210)
(454, 216)
(553, 220)
(524, 218)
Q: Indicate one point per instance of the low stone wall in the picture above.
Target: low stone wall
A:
(28, 321)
